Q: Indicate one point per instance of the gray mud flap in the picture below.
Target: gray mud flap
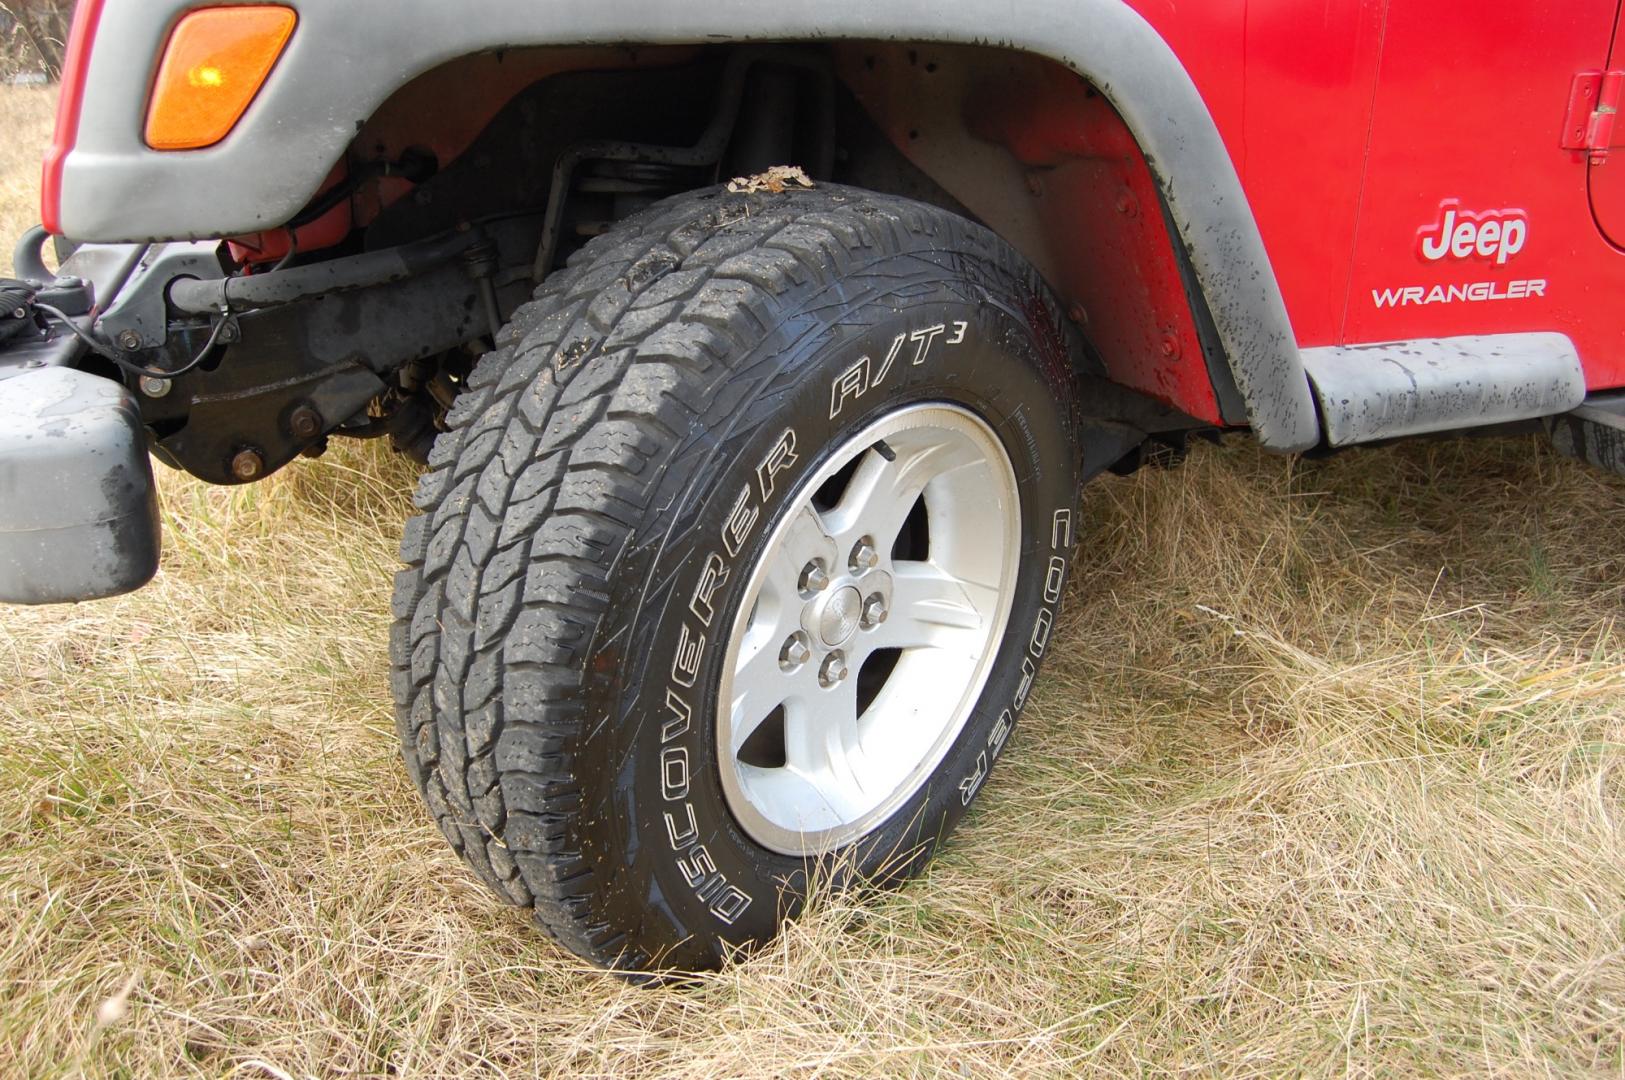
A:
(78, 510)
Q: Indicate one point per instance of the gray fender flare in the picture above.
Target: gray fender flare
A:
(348, 56)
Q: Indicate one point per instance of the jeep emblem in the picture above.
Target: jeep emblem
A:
(1496, 235)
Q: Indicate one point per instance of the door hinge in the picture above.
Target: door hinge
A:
(1594, 100)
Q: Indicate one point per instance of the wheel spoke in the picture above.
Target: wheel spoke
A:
(881, 492)
(805, 540)
(822, 746)
(761, 684)
(932, 608)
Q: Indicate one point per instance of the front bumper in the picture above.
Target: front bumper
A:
(78, 509)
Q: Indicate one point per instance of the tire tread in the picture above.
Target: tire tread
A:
(531, 495)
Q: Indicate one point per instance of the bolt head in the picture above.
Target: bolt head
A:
(874, 611)
(814, 578)
(833, 670)
(864, 556)
(129, 340)
(154, 388)
(247, 465)
(305, 422)
(796, 651)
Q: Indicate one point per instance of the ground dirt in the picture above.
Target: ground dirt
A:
(1326, 775)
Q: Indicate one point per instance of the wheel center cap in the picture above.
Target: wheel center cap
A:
(838, 618)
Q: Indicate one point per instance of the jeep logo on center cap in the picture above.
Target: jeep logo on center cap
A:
(839, 617)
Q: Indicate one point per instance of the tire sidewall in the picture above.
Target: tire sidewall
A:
(938, 327)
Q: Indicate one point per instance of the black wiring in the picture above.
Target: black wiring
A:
(136, 369)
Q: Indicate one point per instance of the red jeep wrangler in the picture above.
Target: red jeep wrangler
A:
(749, 502)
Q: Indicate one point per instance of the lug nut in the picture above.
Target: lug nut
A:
(305, 422)
(864, 556)
(247, 465)
(834, 669)
(795, 652)
(814, 578)
(874, 611)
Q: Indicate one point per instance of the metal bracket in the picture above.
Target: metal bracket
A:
(1588, 124)
(136, 316)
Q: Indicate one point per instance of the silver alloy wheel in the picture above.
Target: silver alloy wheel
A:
(826, 597)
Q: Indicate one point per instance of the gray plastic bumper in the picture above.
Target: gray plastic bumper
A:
(78, 510)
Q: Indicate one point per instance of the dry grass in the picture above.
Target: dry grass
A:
(25, 119)
(1327, 775)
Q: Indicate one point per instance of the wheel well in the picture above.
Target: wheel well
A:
(1009, 138)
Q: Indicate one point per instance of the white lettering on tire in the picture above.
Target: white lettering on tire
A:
(692, 859)
(1037, 642)
(863, 376)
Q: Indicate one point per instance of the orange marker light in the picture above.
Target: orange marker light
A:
(215, 62)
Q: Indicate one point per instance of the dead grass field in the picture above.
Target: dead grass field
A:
(1326, 776)
(25, 118)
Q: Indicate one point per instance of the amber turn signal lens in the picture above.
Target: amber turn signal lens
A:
(216, 61)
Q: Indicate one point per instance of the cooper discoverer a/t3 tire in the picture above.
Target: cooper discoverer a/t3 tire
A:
(741, 552)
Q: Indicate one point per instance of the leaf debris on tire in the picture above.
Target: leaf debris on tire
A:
(775, 179)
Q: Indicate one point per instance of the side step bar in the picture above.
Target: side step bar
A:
(1386, 391)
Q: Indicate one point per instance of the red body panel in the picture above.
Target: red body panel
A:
(1358, 125)
(1289, 85)
(1470, 106)
(1093, 193)
(1082, 205)
(70, 99)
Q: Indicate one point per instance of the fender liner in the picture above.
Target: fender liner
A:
(348, 56)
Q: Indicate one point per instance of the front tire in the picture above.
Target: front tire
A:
(741, 553)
